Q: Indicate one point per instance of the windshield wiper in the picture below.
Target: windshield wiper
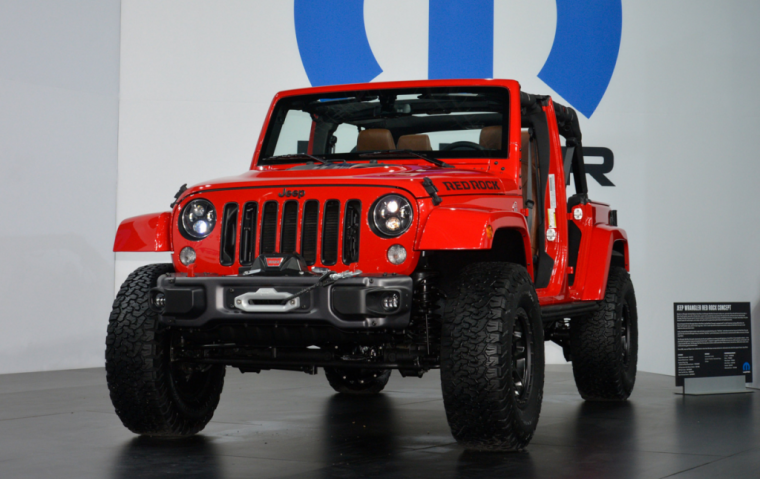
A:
(301, 156)
(386, 153)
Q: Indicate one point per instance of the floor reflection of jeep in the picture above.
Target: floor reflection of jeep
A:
(389, 226)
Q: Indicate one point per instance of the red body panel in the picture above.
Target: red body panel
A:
(146, 233)
(556, 291)
(476, 194)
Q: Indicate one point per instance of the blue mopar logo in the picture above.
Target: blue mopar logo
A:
(746, 367)
(334, 47)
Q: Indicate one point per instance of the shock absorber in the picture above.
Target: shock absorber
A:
(426, 322)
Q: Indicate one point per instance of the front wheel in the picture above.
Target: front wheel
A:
(152, 395)
(492, 358)
(604, 345)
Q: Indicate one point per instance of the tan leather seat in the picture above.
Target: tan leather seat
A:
(415, 142)
(530, 158)
(375, 139)
(490, 137)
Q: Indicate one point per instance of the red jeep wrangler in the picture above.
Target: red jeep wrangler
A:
(409, 226)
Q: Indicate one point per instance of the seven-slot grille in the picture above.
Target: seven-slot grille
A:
(273, 227)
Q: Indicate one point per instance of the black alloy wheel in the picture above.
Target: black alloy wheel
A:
(522, 356)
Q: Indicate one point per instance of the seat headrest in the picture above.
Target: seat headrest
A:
(490, 137)
(415, 142)
(375, 139)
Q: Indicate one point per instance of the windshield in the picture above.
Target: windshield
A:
(436, 122)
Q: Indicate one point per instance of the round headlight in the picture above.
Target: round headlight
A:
(392, 215)
(198, 219)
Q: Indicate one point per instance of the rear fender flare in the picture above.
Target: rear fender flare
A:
(603, 240)
(146, 233)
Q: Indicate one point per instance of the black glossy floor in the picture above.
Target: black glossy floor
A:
(281, 424)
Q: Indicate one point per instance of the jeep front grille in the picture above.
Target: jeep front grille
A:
(279, 231)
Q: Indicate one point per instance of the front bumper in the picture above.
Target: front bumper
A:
(350, 304)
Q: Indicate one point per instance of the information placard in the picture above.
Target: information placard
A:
(712, 340)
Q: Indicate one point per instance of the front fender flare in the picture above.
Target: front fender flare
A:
(146, 233)
(466, 228)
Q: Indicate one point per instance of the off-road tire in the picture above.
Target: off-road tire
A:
(486, 407)
(604, 368)
(151, 396)
(357, 381)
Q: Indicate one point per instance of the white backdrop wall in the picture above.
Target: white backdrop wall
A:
(680, 114)
(59, 100)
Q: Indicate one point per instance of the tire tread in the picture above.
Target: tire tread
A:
(475, 363)
(137, 366)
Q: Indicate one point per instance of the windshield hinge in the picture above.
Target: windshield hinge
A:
(182, 189)
(427, 183)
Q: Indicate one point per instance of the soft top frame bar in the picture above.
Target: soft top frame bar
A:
(569, 127)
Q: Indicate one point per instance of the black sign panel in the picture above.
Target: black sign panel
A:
(712, 339)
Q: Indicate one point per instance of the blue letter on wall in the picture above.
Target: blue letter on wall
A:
(585, 51)
(460, 39)
(333, 42)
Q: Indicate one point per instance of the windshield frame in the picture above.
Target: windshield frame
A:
(284, 103)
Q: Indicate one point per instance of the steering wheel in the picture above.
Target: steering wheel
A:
(462, 145)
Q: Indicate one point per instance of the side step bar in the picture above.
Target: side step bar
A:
(559, 311)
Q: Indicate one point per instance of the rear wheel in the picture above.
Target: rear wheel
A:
(492, 358)
(357, 381)
(152, 395)
(604, 345)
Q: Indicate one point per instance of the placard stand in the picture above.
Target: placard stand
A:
(714, 385)
(713, 347)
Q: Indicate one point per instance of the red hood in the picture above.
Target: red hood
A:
(449, 181)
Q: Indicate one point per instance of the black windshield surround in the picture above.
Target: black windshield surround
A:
(414, 111)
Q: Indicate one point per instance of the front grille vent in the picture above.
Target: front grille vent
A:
(351, 227)
(269, 227)
(248, 233)
(330, 232)
(289, 227)
(309, 232)
(229, 234)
